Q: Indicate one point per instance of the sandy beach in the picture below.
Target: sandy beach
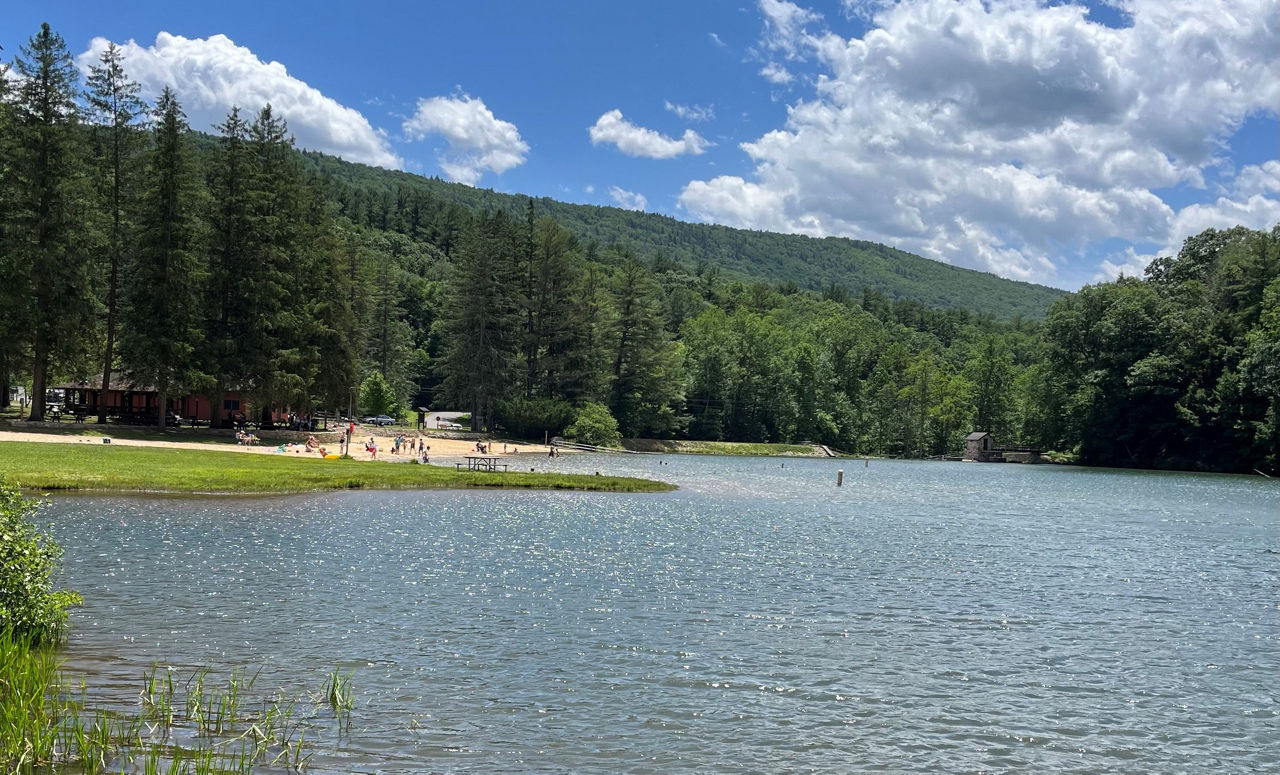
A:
(440, 447)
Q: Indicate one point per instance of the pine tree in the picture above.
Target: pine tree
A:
(229, 310)
(115, 106)
(648, 382)
(277, 369)
(333, 336)
(161, 333)
(52, 281)
(10, 328)
(481, 321)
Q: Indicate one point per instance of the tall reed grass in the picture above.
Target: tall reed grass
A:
(197, 725)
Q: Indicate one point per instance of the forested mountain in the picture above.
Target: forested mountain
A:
(738, 254)
(199, 264)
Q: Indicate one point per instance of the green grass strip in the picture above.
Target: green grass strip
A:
(40, 466)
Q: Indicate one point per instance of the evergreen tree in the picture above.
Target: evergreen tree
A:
(648, 380)
(481, 320)
(274, 368)
(231, 320)
(161, 332)
(551, 327)
(585, 360)
(334, 333)
(52, 288)
(115, 106)
(11, 339)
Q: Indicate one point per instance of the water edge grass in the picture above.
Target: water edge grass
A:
(39, 466)
(195, 726)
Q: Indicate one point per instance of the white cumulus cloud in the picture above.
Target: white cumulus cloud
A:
(478, 140)
(634, 140)
(1006, 135)
(1251, 203)
(210, 75)
(628, 200)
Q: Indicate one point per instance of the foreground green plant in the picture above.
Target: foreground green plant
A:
(30, 713)
(182, 727)
(29, 605)
(105, 467)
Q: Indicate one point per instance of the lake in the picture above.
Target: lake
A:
(922, 617)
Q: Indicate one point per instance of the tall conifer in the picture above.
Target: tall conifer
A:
(115, 106)
(481, 320)
(52, 278)
(160, 339)
(228, 308)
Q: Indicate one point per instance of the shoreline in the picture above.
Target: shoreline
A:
(157, 468)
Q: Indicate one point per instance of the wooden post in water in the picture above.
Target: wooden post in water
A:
(839, 477)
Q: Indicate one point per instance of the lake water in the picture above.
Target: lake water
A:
(923, 617)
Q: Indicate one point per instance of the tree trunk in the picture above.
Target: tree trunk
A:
(163, 397)
(38, 370)
(109, 356)
(4, 380)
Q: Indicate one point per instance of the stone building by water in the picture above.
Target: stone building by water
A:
(980, 446)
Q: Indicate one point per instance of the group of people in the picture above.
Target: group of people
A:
(483, 449)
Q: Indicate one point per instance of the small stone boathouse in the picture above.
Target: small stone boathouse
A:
(980, 446)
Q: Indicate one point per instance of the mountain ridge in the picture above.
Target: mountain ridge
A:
(812, 263)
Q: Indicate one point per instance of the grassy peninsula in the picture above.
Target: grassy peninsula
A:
(141, 469)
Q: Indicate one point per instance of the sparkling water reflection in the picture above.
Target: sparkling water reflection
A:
(923, 617)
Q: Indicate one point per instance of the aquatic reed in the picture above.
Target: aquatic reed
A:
(195, 727)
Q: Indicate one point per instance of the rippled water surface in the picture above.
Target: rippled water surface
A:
(923, 617)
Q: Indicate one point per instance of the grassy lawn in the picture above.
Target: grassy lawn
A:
(84, 467)
(721, 448)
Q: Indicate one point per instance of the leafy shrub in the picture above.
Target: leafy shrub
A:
(528, 418)
(29, 605)
(595, 425)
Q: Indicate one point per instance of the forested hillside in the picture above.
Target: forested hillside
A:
(200, 264)
(738, 254)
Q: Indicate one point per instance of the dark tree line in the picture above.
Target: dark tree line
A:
(202, 264)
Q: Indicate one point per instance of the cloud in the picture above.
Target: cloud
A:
(1006, 135)
(716, 40)
(210, 75)
(692, 112)
(776, 74)
(1252, 203)
(784, 25)
(634, 140)
(1259, 179)
(628, 200)
(478, 141)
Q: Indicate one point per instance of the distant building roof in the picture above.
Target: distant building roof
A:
(976, 435)
(119, 381)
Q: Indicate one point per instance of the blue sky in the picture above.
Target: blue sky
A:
(1053, 142)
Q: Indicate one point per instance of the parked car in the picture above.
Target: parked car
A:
(380, 420)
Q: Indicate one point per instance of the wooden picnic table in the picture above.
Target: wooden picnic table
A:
(478, 463)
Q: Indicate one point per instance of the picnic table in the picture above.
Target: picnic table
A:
(478, 463)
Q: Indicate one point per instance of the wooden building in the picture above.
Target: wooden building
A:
(127, 402)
